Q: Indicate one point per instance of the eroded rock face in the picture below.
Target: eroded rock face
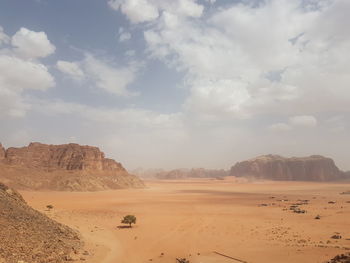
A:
(29, 236)
(2, 153)
(63, 167)
(275, 167)
(67, 157)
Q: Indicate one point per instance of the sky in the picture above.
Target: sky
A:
(178, 83)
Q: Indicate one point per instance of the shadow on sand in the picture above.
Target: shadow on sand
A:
(122, 227)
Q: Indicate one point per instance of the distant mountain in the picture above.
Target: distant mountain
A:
(275, 167)
(63, 167)
(180, 173)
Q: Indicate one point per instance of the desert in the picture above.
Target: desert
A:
(175, 131)
(185, 215)
(194, 218)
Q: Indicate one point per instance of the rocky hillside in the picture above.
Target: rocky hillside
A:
(63, 167)
(29, 236)
(275, 167)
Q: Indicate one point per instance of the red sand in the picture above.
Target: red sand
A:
(193, 218)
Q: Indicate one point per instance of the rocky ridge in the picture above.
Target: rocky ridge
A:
(275, 167)
(191, 173)
(29, 236)
(63, 167)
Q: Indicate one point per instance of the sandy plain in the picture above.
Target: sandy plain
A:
(193, 219)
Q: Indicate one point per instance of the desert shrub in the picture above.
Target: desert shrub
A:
(129, 219)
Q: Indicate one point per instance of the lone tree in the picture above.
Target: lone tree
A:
(129, 219)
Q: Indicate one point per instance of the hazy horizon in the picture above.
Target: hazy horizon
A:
(178, 84)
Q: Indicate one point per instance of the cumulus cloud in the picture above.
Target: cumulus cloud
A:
(70, 68)
(139, 11)
(3, 37)
(101, 74)
(306, 54)
(31, 44)
(19, 73)
(16, 76)
(111, 78)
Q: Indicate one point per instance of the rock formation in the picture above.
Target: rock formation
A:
(275, 167)
(191, 173)
(29, 236)
(2, 153)
(67, 157)
(63, 167)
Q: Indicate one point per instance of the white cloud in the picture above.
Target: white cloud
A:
(16, 76)
(304, 120)
(19, 73)
(101, 74)
(12, 104)
(71, 68)
(31, 44)
(224, 97)
(3, 37)
(130, 118)
(124, 36)
(139, 11)
(111, 78)
(306, 46)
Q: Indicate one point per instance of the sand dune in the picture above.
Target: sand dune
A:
(192, 219)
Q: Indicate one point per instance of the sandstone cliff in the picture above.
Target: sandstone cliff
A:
(63, 167)
(67, 157)
(29, 236)
(275, 167)
(2, 153)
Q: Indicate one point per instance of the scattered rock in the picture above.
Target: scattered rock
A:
(343, 258)
(336, 236)
(29, 236)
